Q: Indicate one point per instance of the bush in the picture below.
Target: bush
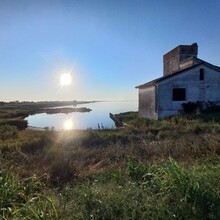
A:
(211, 106)
(7, 132)
(19, 123)
(190, 107)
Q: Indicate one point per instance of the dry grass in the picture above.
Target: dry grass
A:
(66, 155)
(127, 166)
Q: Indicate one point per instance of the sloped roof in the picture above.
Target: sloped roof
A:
(157, 80)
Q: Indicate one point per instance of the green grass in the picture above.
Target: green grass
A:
(167, 169)
(24, 198)
(163, 191)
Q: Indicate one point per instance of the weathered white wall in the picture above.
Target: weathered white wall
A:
(196, 90)
(212, 86)
(147, 102)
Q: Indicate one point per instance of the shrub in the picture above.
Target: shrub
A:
(190, 107)
(7, 132)
(211, 106)
(19, 123)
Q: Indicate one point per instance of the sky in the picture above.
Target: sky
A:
(107, 46)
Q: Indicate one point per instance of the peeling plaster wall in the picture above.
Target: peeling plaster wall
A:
(147, 102)
(196, 90)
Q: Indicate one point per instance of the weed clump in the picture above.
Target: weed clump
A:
(194, 191)
(24, 199)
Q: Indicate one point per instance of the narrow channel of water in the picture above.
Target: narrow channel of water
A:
(99, 116)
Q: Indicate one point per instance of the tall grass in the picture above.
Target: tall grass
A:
(204, 201)
(163, 191)
(113, 174)
(64, 156)
(24, 199)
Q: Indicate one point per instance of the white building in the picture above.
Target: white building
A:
(186, 79)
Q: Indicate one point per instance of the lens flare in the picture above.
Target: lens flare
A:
(68, 124)
(65, 79)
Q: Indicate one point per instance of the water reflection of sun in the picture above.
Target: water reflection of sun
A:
(68, 124)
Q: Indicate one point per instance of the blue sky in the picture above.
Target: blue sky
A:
(110, 46)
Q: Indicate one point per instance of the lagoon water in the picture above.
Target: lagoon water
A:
(84, 120)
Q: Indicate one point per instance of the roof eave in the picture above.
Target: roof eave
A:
(158, 80)
(145, 85)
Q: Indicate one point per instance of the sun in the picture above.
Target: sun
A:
(68, 124)
(65, 79)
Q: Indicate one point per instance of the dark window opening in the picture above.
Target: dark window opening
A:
(201, 74)
(179, 94)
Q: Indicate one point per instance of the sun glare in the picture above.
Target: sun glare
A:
(68, 124)
(65, 79)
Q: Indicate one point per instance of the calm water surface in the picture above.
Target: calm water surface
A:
(84, 120)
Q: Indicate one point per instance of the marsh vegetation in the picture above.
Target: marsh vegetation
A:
(167, 169)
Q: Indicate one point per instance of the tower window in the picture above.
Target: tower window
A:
(179, 94)
(201, 74)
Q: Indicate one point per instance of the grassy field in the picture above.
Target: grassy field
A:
(167, 169)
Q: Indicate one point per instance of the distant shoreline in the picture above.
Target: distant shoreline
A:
(14, 113)
(35, 128)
